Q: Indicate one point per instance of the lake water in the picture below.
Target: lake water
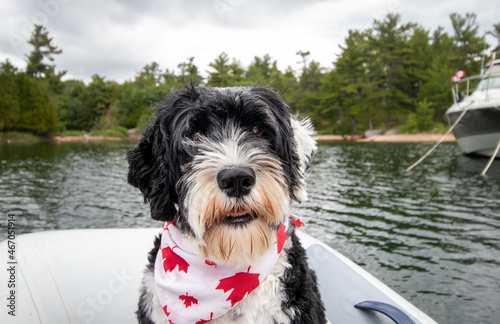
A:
(433, 235)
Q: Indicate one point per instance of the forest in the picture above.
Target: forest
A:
(393, 75)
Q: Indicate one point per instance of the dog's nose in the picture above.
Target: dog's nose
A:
(236, 181)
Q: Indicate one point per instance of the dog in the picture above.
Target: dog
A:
(221, 167)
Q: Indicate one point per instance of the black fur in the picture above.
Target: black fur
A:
(301, 285)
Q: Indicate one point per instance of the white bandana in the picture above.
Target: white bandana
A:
(193, 290)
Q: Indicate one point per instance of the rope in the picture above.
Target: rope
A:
(491, 159)
(439, 142)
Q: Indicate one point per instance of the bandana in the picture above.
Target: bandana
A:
(193, 290)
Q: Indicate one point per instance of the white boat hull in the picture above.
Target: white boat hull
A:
(478, 131)
(480, 144)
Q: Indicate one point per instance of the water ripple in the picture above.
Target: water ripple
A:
(433, 235)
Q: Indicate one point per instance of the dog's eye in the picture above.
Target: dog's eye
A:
(256, 130)
(196, 136)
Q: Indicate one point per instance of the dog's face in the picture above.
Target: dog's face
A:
(226, 164)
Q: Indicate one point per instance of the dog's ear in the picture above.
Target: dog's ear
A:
(295, 142)
(149, 172)
(303, 135)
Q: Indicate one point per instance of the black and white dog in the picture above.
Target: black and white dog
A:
(221, 166)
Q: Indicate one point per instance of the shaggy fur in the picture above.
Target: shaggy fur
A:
(226, 164)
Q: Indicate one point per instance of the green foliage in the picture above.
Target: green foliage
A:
(6, 137)
(73, 133)
(391, 74)
(25, 105)
(118, 131)
(43, 49)
(495, 32)
(421, 120)
(143, 122)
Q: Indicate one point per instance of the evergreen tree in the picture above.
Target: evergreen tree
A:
(260, 70)
(96, 99)
(225, 74)
(70, 106)
(43, 49)
(37, 111)
(352, 75)
(9, 105)
(222, 74)
(389, 40)
(436, 83)
(495, 32)
(469, 45)
(189, 73)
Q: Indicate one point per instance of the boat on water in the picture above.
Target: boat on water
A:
(93, 276)
(478, 114)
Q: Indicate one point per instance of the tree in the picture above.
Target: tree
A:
(220, 77)
(37, 111)
(260, 70)
(468, 44)
(70, 105)
(304, 56)
(189, 73)
(43, 49)
(436, 83)
(495, 32)
(9, 104)
(225, 74)
(150, 76)
(389, 40)
(96, 99)
(353, 77)
(25, 103)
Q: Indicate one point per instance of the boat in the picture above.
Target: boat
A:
(93, 276)
(477, 115)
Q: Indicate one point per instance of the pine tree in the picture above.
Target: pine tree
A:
(495, 32)
(43, 49)
(468, 43)
(189, 73)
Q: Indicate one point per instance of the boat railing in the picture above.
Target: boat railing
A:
(457, 95)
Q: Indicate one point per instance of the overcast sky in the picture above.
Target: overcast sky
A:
(117, 38)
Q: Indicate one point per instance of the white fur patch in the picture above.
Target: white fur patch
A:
(304, 133)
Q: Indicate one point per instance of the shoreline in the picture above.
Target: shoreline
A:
(392, 138)
(89, 138)
(389, 138)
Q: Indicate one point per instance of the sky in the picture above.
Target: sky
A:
(116, 39)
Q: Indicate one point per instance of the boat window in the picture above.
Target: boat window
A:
(493, 83)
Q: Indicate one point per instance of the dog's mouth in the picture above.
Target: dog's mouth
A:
(239, 217)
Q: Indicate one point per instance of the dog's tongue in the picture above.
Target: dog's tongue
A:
(239, 212)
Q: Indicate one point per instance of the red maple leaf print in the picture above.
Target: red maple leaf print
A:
(172, 260)
(281, 237)
(202, 321)
(297, 222)
(167, 313)
(210, 263)
(241, 283)
(165, 310)
(188, 300)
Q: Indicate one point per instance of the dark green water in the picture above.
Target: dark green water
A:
(432, 235)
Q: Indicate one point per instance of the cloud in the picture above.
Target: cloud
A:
(117, 38)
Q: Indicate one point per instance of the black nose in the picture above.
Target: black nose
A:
(236, 181)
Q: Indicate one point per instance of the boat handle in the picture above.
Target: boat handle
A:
(394, 313)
